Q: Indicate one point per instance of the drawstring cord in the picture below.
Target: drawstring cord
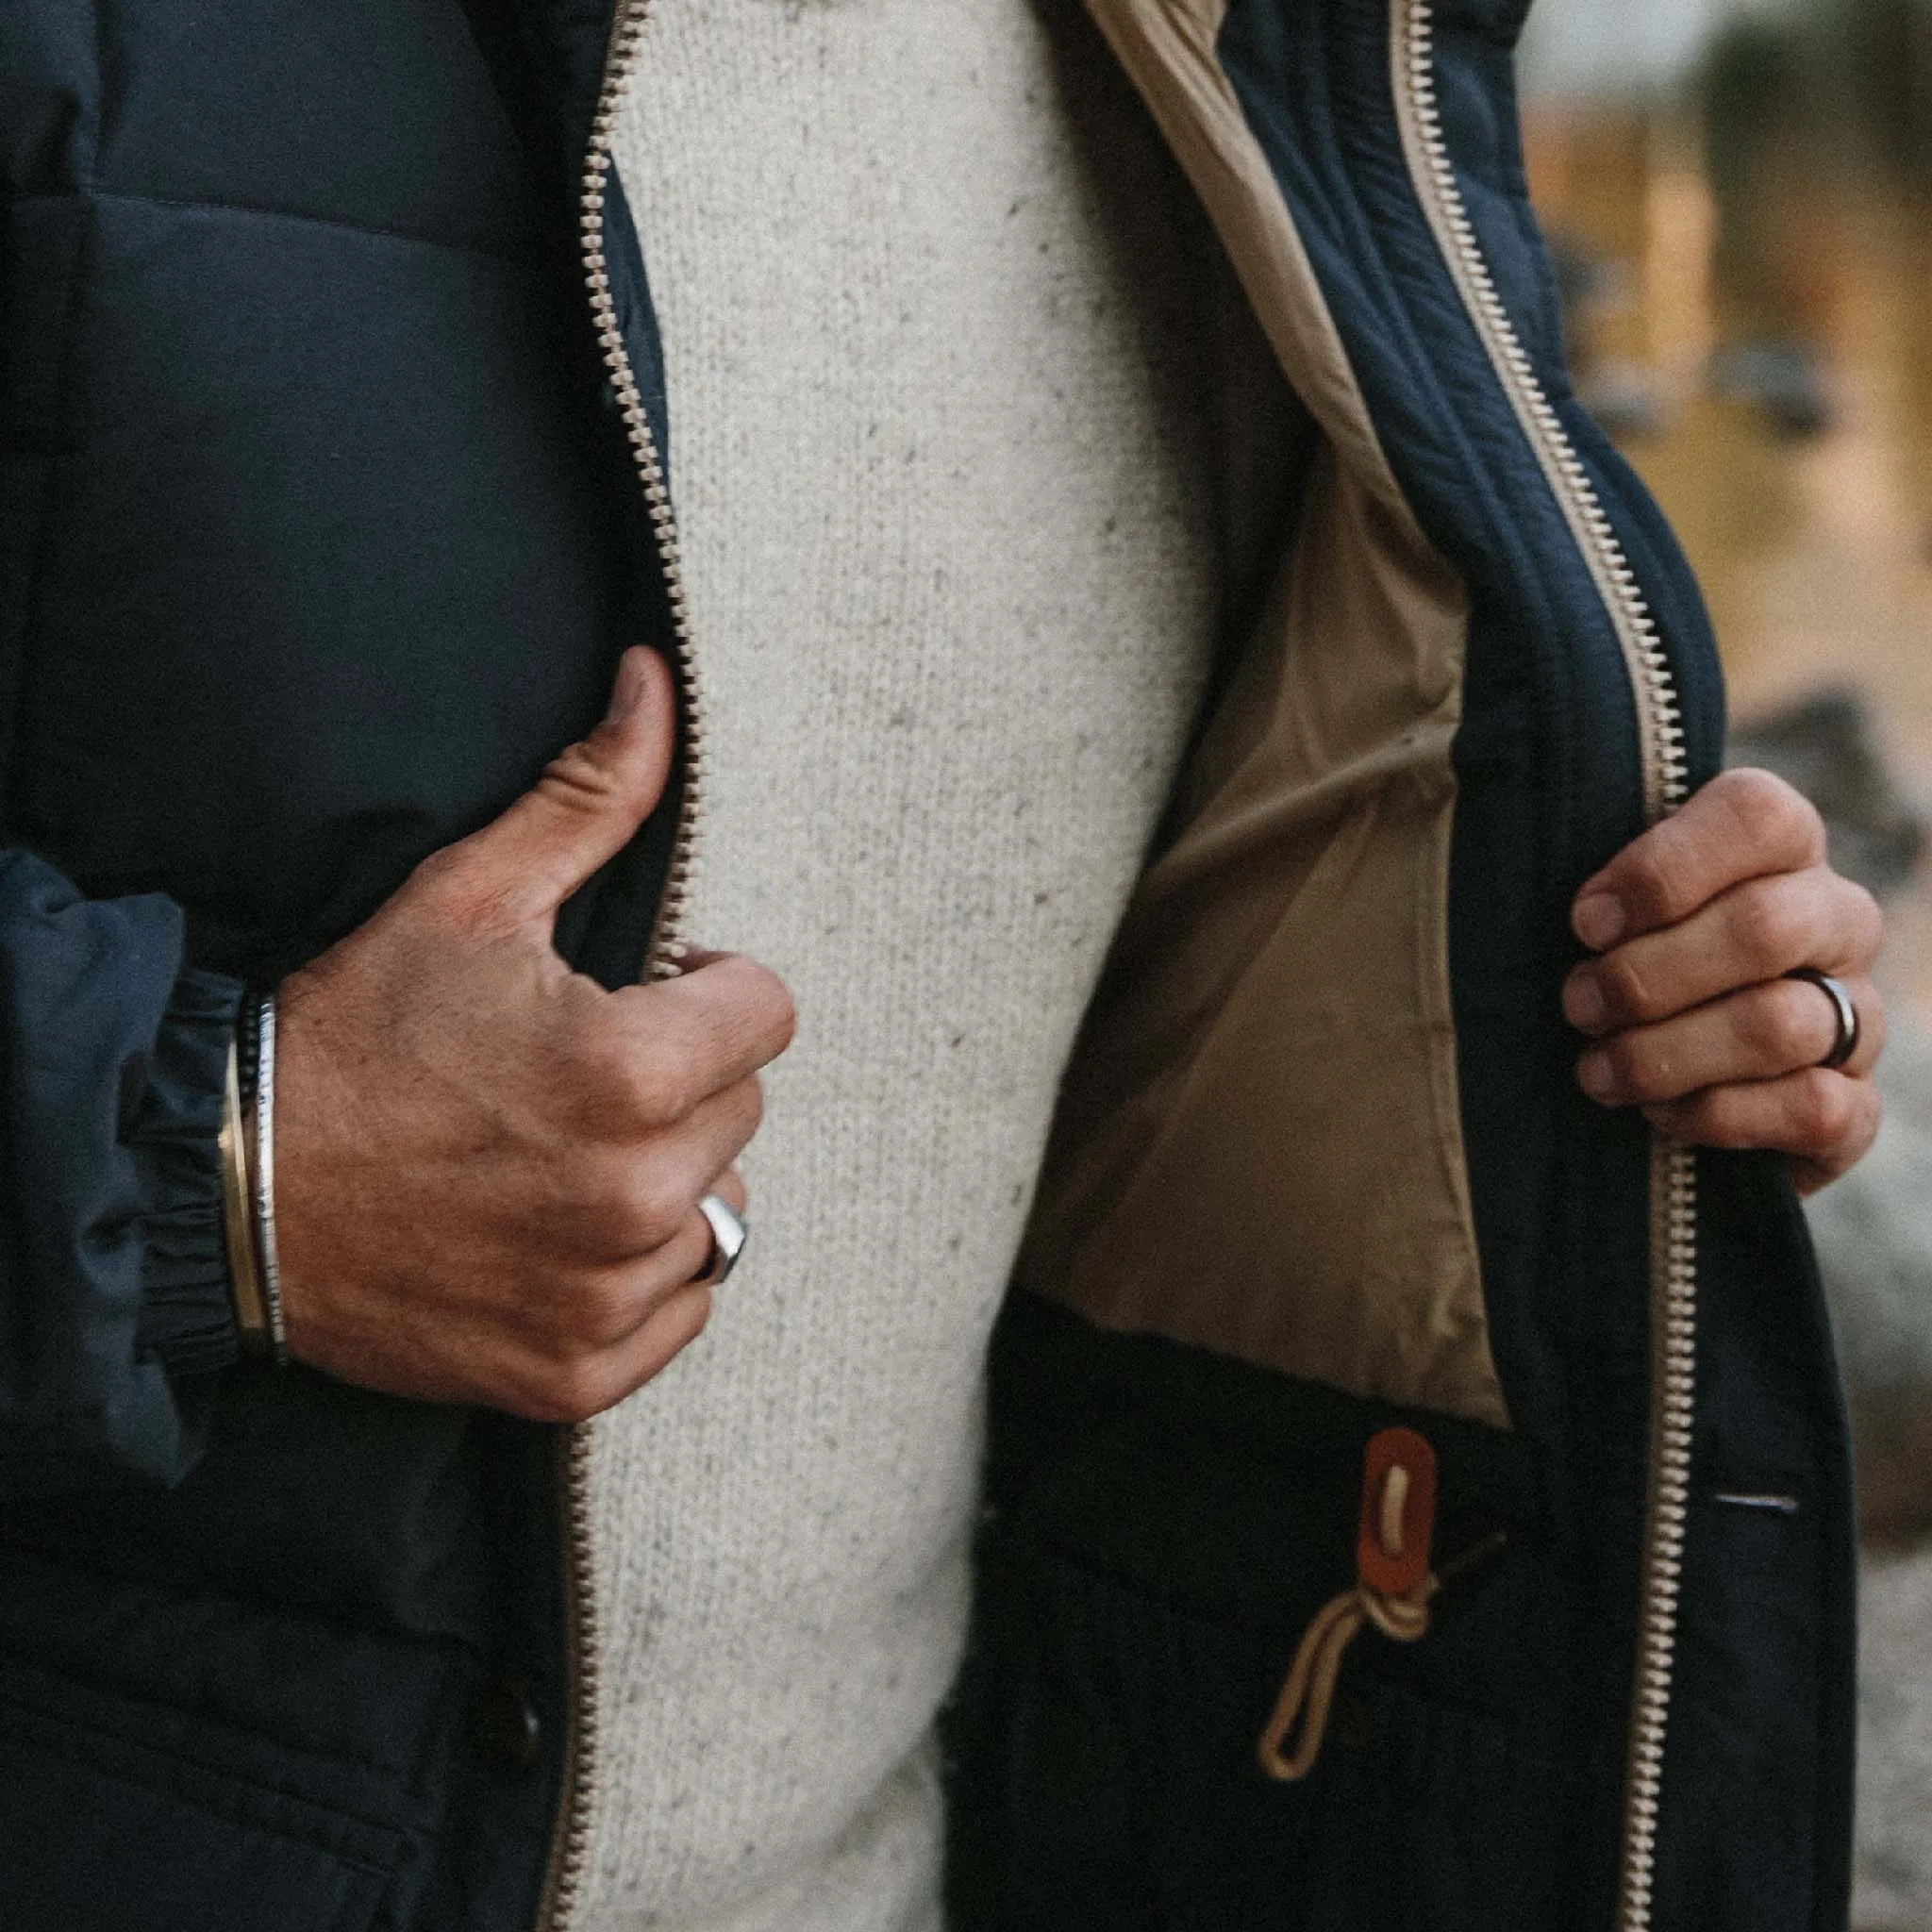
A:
(1393, 1583)
(1308, 1693)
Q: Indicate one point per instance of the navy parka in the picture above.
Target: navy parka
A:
(318, 537)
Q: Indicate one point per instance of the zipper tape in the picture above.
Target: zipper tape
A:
(1666, 785)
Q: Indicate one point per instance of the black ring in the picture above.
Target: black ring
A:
(1843, 1011)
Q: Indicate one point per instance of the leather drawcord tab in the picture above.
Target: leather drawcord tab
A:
(1391, 1591)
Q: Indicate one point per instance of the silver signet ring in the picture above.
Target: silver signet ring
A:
(728, 1235)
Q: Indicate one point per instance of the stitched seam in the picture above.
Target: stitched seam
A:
(1151, 1596)
(89, 190)
(100, 27)
(1154, 1595)
(38, 563)
(17, 679)
(18, 1693)
(145, 1766)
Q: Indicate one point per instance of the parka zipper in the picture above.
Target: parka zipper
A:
(1666, 785)
(564, 1882)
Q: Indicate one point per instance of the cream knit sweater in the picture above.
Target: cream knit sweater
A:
(939, 472)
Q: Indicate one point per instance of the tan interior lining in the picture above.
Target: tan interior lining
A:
(1167, 47)
(1259, 1147)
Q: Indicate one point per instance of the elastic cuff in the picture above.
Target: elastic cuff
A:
(188, 1310)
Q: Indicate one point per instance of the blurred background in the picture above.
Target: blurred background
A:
(1739, 196)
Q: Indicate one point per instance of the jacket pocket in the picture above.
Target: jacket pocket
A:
(1132, 1799)
(1166, 1526)
(102, 1833)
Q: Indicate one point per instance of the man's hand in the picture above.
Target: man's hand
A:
(1696, 924)
(487, 1166)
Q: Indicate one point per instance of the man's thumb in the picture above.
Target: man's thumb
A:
(587, 805)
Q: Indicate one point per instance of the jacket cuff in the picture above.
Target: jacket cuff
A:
(188, 1309)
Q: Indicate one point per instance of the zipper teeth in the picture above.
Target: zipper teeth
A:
(1666, 785)
(1666, 773)
(1672, 1406)
(564, 1886)
(667, 945)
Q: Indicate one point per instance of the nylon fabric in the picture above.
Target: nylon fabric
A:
(317, 540)
(1285, 964)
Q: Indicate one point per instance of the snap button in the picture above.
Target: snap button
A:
(503, 1727)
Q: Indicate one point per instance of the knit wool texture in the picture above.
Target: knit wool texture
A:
(938, 456)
